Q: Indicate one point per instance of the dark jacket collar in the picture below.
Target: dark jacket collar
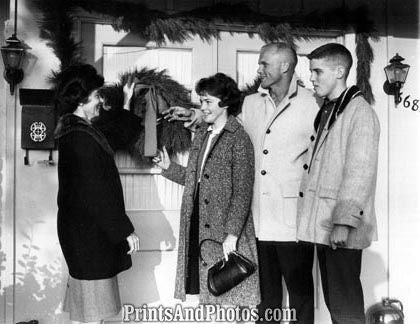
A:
(339, 105)
(69, 123)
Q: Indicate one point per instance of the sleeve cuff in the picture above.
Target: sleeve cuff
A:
(348, 213)
(123, 232)
(175, 173)
(233, 227)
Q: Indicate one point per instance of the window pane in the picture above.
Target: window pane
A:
(119, 59)
(247, 65)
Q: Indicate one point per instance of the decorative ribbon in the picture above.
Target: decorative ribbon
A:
(154, 105)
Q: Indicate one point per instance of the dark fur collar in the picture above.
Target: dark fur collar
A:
(69, 123)
(339, 106)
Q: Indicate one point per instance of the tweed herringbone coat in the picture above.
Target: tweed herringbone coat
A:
(224, 208)
(339, 186)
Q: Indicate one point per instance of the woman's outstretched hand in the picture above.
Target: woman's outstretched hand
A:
(128, 90)
(162, 160)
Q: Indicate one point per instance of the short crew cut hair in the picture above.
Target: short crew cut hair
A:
(333, 51)
(223, 87)
(282, 46)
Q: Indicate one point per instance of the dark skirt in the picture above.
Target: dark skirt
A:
(192, 284)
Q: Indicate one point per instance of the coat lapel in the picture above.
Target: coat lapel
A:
(231, 125)
(339, 107)
(285, 103)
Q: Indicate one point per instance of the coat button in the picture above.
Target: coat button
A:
(265, 151)
(300, 194)
(206, 225)
(268, 131)
(305, 166)
(206, 176)
(206, 201)
(263, 172)
(312, 138)
(361, 212)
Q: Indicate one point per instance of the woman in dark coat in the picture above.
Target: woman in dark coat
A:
(95, 234)
(217, 196)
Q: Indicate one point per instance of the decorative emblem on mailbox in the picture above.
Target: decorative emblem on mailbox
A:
(38, 132)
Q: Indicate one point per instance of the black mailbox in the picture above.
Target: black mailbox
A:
(38, 121)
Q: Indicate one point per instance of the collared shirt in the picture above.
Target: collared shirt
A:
(213, 133)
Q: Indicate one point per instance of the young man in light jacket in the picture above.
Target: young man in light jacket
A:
(279, 120)
(336, 204)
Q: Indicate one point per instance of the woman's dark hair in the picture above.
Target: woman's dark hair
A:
(223, 87)
(112, 96)
(73, 86)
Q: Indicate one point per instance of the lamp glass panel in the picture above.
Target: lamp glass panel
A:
(398, 74)
(390, 74)
(12, 58)
(404, 73)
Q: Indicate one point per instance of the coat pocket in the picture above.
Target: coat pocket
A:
(327, 201)
(290, 193)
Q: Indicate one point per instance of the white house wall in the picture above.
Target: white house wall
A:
(28, 199)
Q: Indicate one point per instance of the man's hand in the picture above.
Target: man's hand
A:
(339, 236)
(178, 113)
(163, 160)
(133, 242)
(229, 245)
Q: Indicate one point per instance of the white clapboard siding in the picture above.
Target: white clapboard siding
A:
(144, 188)
(150, 192)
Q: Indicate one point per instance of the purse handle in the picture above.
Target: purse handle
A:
(220, 243)
(211, 240)
(199, 248)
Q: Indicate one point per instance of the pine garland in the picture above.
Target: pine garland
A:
(364, 53)
(155, 25)
(56, 27)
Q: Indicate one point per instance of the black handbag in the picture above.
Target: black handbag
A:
(224, 275)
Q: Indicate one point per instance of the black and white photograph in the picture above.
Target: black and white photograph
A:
(209, 161)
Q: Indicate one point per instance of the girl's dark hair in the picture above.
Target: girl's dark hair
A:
(73, 86)
(223, 87)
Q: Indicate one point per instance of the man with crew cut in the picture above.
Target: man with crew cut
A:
(336, 205)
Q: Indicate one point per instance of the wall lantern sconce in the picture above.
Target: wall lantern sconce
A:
(396, 74)
(12, 55)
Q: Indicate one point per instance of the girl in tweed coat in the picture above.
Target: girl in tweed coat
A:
(218, 184)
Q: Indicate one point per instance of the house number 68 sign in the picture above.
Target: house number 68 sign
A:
(408, 102)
